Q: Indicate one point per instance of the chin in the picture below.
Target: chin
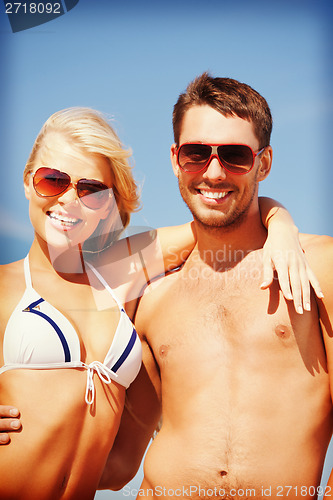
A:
(66, 239)
(217, 220)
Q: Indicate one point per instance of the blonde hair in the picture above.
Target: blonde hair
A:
(87, 129)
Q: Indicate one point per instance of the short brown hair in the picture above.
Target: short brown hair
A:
(228, 97)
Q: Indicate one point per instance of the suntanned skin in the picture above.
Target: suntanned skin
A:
(49, 458)
(244, 381)
(65, 443)
(62, 447)
(245, 384)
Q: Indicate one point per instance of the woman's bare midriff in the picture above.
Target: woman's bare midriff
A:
(64, 442)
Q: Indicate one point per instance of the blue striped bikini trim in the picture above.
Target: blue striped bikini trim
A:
(61, 336)
(126, 352)
(63, 341)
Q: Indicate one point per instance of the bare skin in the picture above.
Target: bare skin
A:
(66, 442)
(236, 363)
(86, 444)
(83, 435)
(59, 396)
(61, 449)
(244, 382)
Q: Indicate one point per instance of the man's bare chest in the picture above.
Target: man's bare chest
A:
(236, 321)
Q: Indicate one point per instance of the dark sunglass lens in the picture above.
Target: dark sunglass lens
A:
(237, 158)
(192, 157)
(50, 182)
(93, 194)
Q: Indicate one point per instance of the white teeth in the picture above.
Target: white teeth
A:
(63, 218)
(214, 195)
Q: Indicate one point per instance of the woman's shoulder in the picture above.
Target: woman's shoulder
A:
(12, 286)
(11, 275)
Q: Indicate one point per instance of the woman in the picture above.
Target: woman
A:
(68, 349)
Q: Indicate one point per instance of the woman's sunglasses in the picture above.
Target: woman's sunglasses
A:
(51, 182)
(236, 158)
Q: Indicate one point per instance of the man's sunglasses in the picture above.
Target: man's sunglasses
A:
(236, 158)
(51, 182)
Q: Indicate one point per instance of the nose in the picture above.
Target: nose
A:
(214, 171)
(68, 196)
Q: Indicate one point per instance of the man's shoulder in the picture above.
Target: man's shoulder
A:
(319, 254)
(313, 244)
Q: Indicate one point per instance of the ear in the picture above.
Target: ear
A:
(266, 158)
(173, 157)
(27, 186)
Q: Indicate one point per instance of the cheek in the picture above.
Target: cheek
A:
(92, 221)
(186, 181)
(36, 206)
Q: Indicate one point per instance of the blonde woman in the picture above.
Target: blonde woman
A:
(68, 349)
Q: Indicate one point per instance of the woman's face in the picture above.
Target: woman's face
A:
(64, 220)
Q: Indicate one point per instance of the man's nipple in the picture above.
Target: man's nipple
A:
(283, 332)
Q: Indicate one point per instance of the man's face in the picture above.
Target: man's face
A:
(216, 197)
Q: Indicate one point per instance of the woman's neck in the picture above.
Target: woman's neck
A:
(67, 261)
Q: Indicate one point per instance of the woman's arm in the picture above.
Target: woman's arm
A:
(177, 242)
(282, 253)
(152, 253)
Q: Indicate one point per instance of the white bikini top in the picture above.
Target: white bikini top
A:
(38, 336)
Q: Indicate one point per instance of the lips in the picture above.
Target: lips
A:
(63, 221)
(213, 196)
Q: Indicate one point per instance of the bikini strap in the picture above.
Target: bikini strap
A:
(105, 284)
(27, 274)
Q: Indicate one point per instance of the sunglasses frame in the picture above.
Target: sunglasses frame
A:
(214, 154)
(73, 184)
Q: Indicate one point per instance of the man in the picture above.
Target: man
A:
(244, 380)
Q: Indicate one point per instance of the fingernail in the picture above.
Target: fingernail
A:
(321, 295)
(300, 310)
(307, 306)
(3, 438)
(14, 412)
(263, 284)
(15, 424)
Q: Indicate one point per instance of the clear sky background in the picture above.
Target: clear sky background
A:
(131, 59)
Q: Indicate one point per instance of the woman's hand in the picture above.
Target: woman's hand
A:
(283, 253)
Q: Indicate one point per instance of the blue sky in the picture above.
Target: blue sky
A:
(131, 59)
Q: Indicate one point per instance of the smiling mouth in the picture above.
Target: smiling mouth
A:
(213, 195)
(62, 220)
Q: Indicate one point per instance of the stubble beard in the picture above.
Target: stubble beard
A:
(217, 223)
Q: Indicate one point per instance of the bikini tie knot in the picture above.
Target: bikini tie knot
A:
(104, 374)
